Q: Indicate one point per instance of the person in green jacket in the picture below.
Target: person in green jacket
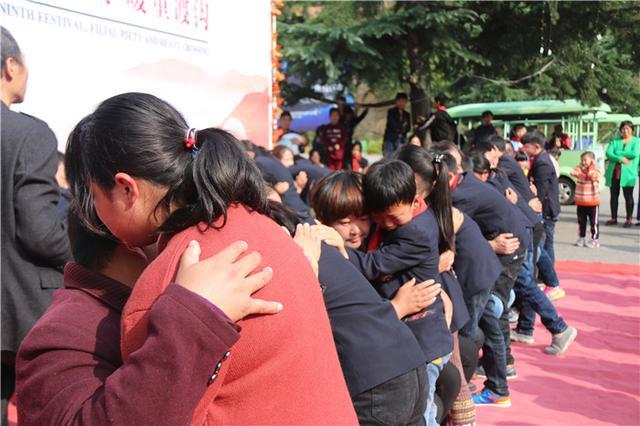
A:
(623, 154)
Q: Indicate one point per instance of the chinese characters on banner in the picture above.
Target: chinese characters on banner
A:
(193, 13)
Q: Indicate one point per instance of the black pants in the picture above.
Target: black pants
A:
(399, 401)
(8, 387)
(588, 213)
(627, 192)
(506, 281)
(469, 351)
(447, 388)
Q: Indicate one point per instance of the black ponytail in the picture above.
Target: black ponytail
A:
(144, 136)
(434, 171)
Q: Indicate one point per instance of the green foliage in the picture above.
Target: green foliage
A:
(475, 51)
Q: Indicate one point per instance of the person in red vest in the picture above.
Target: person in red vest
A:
(333, 138)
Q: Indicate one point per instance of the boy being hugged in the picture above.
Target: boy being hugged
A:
(587, 197)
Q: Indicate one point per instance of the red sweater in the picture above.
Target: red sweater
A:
(69, 368)
(587, 186)
(284, 369)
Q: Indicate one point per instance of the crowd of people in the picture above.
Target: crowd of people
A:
(202, 279)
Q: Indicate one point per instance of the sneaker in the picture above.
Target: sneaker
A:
(522, 338)
(638, 223)
(555, 293)
(627, 223)
(611, 222)
(593, 244)
(490, 399)
(480, 372)
(511, 372)
(581, 242)
(560, 342)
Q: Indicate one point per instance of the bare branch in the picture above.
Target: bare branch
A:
(512, 82)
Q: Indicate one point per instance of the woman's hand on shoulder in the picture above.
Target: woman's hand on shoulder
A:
(226, 280)
(331, 237)
(309, 243)
(412, 297)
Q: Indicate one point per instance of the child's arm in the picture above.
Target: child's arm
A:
(576, 172)
(393, 257)
(448, 307)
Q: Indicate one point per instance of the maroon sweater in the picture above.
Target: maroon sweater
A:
(69, 367)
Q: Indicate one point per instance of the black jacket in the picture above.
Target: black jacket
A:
(442, 127)
(397, 125)
(373, 345)
(516, 176)
(410, 251)
(35, 246)
(273, 172)
(545, 179)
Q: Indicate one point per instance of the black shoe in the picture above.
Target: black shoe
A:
(611, 222)
(638, 223)
(627, 223)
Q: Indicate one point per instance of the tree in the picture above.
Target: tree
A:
(472, 51)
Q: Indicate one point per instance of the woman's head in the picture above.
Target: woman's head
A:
(131, 166)
(285, 155)
(314, 157)
(481, 165)
(338, 201)
(626, 129)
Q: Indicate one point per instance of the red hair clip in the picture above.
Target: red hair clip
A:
(190, 138)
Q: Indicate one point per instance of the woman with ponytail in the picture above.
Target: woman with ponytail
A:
(138, 170)
(432, 179)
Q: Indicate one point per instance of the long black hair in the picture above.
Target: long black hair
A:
(434, 171)
(144, 136)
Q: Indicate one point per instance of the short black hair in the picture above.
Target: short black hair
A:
(338, 195)
(402, 95)
(482, 147)
(534, 137)
(588, 154)
(341, 98)
(521, 156)
(8, 48)
(388, 183)
(480, 162)
(486, 113)
(332, 110)
(89, 249)
(444, 147)
(441, 99)
(285, 114)
(356, 143)
(627, 123)
(498, 141)
(517, 127)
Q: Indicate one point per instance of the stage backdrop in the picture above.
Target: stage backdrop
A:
(211, 59)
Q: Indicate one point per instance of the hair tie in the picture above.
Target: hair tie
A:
(190, 141)
(438, 159)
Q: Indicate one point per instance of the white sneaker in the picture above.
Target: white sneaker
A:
(581, 242)
(593, 244)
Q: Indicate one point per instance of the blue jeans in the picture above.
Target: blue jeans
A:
(433, 372)
(475, 306)
(389, 146)
(494, 353)
(546, 268)
(533, 301)
(549, 229)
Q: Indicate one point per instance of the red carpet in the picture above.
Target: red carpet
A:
(597, 381)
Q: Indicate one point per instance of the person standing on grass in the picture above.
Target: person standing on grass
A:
(587, 198)
(623, 154)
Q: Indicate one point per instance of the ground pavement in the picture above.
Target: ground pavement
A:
(597, 382)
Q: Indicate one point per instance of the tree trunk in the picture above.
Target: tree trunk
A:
(420, 101)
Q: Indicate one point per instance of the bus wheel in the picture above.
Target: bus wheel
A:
(567, 190)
